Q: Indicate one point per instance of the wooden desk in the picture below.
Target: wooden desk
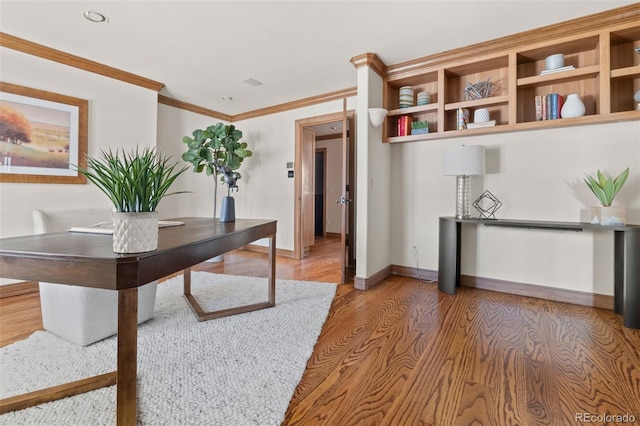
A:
(88, 260)
(626, 257)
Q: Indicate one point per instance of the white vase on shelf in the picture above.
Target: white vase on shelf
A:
(573, 107)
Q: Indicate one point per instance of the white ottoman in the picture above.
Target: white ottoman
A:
(83, 315)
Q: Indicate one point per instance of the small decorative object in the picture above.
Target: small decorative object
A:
(462, 162)
(423, 98)
(479, 90)
(605, 189)
(214, 150)
(554, 61)
(462, 118)
(636, 98)
(228, 208)
(377, 115)
(487, 205)
(573, 107)
(135, 182)
(481, 115)
(419, 127)
(406, 96)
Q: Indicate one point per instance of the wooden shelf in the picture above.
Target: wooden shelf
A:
(628, 72)
(413, 110)
(560, 77)
(478, 103)
(601, 47)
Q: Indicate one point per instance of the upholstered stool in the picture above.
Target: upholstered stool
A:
(83, 315)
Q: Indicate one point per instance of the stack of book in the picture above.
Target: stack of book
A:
(404, 125)
(489, 123)
(567, 68)
(548, 107)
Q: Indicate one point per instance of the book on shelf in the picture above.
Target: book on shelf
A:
(404, 125)
(567, 68)
(489, 123)
(548, 107)
(107, 227)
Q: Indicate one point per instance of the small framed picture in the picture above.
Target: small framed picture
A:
(43, 135)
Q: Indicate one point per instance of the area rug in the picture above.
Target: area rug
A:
(238, 370)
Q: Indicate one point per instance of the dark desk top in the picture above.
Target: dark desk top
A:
(88, 259)
(540, 224)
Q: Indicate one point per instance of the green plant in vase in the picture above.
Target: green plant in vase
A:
(134, 182)
(419, 127)
(217, 150)
(605, 188)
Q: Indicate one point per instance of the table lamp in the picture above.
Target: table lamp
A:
(463, 162)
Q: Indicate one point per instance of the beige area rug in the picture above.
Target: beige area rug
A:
(239, 370)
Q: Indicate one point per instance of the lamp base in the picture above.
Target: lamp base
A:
(463, 194)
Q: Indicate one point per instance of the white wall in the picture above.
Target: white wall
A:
(538, 176)
(265, 191)
(120, 115)
(333, 189)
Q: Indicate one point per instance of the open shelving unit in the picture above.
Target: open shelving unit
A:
(601, 48)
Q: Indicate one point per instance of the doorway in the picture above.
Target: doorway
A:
(320, 228)
(333, 188)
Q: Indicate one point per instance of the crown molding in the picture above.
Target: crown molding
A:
(162, 99)
(39, 50)
(300, 103)
(370, 60)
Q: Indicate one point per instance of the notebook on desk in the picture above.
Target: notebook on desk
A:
(107, 227)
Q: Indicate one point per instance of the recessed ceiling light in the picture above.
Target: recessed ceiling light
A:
(227, 98)
(94, 16)
(252, 82)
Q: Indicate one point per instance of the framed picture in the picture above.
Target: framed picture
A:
(43, 135)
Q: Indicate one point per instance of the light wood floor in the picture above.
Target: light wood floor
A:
(403, 353)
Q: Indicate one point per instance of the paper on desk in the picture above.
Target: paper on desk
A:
(107, 227)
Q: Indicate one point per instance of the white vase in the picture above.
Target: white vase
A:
(135, 232)
(481, 115)
(609, 216)
(573, 107)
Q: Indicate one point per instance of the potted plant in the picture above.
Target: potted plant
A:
(217, 150)
(419, 127)
(606, 188)
(135, 182)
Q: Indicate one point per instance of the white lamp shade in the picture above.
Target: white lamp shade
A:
(377, 115)
(463, 161)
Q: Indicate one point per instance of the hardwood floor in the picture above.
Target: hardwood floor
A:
(403, 353)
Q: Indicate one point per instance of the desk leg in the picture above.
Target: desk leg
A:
(186, 277)
(618, 272)
(632, 279)
(127, 356)
(272, 270)
(449, 256)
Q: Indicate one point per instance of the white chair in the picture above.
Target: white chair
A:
(83, 315)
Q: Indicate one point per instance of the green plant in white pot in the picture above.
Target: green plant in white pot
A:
(217, 150)
(605, 188)
(135, 182)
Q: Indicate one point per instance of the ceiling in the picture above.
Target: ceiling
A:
(203, 51)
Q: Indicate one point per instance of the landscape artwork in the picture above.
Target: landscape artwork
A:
(42, 136)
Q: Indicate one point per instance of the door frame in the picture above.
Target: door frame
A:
(298, 249)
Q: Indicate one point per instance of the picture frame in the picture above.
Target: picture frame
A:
(43, 135)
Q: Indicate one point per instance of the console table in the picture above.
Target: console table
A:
(626, 249)
(88, 260)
